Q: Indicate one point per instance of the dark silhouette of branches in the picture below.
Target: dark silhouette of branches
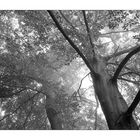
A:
(127, 80)
(71, 42)
(133, 104)
(124, 61)
(81, 83)
(130, 72)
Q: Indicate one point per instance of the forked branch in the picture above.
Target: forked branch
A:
(71, 42)
(81, 83)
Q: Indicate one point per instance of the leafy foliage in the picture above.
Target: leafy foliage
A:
(36, 63)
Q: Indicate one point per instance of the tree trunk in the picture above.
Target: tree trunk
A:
(53, 113)
(111, 100)
(113, 104)
(53, 118)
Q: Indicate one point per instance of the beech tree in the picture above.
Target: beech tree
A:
(115, 108)
(37, 52)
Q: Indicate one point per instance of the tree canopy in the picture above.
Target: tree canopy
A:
(58, 69)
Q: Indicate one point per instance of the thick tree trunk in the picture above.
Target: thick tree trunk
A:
(53, 118)
(113, 104)
(53, 113)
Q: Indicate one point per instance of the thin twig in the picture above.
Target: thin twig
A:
(18, 107)
(26, 88)
(120, 53)
(81, 83)
(5, 95)
(134, 82)
(130, 72)
(122, 31)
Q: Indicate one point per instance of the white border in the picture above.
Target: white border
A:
(69, 4)
(69, 135)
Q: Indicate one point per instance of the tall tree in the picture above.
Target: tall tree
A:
(41, 54)
(115, 108)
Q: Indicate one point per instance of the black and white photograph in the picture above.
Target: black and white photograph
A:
(69, 69)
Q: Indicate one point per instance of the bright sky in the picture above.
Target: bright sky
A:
(2, 112)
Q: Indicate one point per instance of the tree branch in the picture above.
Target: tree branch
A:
(122, 31)
(81, 38)
(88, 31)
(133, 104)
(67, 20)
(81, 83)
(124, 61)
(120, 53)
(9, 95)
(127, 68)
(134, 82)
(18, 107)
(39, 91)
(96, 112)
(130, 72)
(71, 42)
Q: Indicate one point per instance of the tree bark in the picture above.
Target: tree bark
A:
(53, 118)
(112, 102)
(53, 114)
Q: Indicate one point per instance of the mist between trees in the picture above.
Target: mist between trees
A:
(69, 70)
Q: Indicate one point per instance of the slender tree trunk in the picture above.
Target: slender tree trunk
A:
(113, 104)
(53, 113)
